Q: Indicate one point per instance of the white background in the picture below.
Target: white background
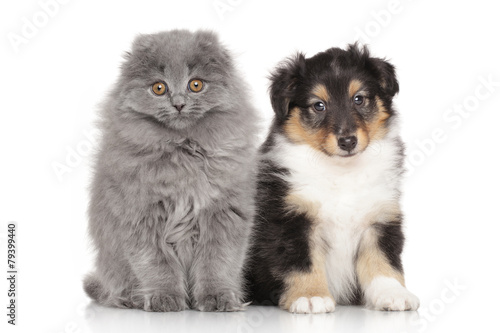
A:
(52, 82)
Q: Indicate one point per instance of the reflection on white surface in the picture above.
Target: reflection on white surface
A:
(255, 319)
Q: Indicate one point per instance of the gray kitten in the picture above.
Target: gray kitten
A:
(172, 205)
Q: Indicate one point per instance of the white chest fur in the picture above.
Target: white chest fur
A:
(348, 193)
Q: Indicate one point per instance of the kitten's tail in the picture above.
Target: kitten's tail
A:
(93, 287)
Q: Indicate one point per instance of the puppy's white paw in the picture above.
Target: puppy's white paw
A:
(388, 294)
(315, 304)
(396, 299)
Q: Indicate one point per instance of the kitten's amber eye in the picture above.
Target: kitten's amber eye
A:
(195, 85)
(159, 88)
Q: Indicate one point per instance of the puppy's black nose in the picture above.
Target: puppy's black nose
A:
(347, 143)
(179, 107)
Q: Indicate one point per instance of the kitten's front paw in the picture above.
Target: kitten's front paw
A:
(315, 304)
(390, 297)
(223, 301)
(161, 302)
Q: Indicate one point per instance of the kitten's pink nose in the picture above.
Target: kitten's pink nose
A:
(179, 107)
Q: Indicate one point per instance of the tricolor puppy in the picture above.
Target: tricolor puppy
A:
(329, 224)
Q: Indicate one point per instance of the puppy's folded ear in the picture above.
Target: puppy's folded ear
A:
(387, 76)
(284, 82)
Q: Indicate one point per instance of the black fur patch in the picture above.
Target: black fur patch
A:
(280, 240)
(391, 241)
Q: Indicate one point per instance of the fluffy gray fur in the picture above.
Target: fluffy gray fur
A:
(171, 205)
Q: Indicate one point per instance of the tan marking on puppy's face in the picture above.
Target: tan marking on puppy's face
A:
(363, 139)
(318, 139)
(331, 145)
(354, 87)
(321, 92)
(376, 128)
(298, 133)
(371, 261)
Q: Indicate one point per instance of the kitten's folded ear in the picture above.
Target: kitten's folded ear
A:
(207, 38)
(209, 43)
(143, 42)
(387, 76)
(283, 84)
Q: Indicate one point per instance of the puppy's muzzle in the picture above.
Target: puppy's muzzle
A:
(347, 143)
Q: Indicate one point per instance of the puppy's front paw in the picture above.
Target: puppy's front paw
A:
(388, 295)
(161, 302)
(223, 301)
(315, 304)
(396, 300)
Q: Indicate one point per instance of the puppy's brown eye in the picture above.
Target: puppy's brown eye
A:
(358, 99)
(159, 88)
(319, 106)
(195, 85)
